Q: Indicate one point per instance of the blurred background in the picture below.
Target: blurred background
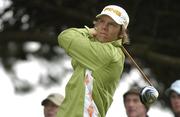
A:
(32, 65)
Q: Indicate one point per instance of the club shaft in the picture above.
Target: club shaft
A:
(136, 65)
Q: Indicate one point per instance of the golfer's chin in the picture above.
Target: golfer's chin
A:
(103, 39)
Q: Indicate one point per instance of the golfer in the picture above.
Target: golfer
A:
(98, 62)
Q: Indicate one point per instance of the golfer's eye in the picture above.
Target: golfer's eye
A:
(112, 24)
(100, 21)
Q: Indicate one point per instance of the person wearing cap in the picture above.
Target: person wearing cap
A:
(51, 104)
(98, 62)
(173, 93)
(133, 104)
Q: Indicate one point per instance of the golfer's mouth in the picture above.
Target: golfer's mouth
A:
(103, 35)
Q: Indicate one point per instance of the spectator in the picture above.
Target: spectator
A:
(51, 104)
(173, 93)
(133, 105)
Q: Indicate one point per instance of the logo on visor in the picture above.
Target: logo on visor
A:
(113, 10)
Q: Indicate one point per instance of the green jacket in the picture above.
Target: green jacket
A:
(105, 60)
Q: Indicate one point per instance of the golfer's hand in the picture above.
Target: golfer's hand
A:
(92, 32)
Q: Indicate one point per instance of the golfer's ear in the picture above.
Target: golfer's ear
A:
(94, 22)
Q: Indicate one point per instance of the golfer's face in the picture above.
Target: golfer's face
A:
(107, 29)
(50, 109)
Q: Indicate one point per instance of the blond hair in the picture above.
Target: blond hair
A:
(124, 35)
